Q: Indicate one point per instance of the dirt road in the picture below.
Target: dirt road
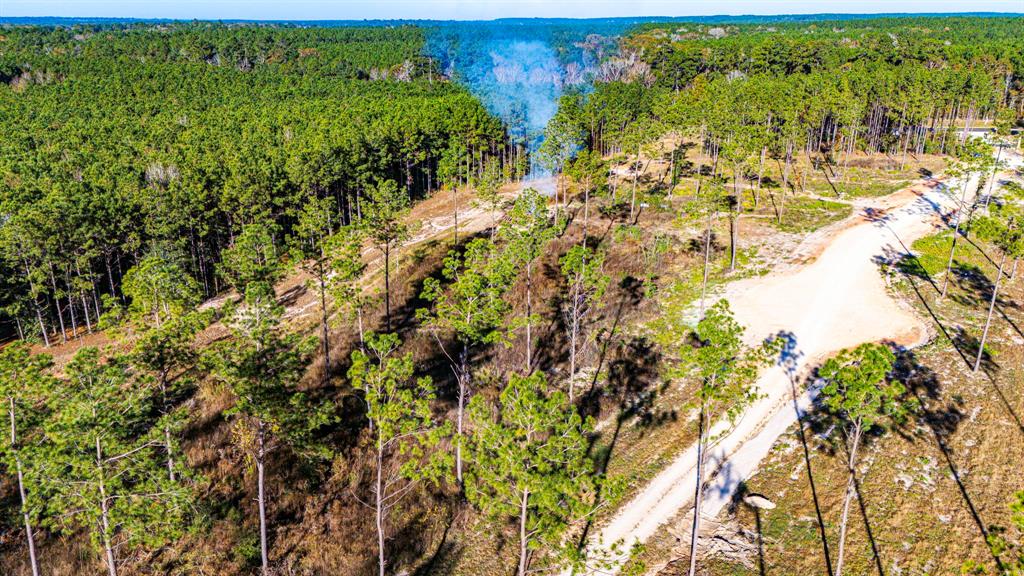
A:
(837, 300)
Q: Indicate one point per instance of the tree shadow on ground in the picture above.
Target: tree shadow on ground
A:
(965, 344)
(633, 387)
(909, 265)
(942, 417)
(789, 360)
(447, 553)
(739, 498)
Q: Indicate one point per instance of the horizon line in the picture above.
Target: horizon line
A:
(822, 15)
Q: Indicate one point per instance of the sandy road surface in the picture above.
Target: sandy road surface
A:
(836, 301)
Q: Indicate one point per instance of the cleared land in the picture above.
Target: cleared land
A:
(837, 301)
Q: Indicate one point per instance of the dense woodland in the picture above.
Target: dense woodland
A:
(122, 140)
(148, 168)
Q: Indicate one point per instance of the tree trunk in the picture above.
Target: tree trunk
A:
(387, 285)
(359, 319)
(707, 261)
(574, 331)
(636, 175)
(849, 496)
(991, 307)
(42, 326)
(455, 210)
(529, 313)
(261, 498)
(463, 376)
(734, 216)
(56, 302)
(81, 295)
(992, 180)
(21, 492)
(586, 209)
(324, 331)
(380, 507)
(698, 491)
(956, 236)
(108, 547)
(524, 554)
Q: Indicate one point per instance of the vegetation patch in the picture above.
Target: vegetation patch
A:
(802, 215)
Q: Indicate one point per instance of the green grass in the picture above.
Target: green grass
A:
(932, 253)
(802, 215)
(871, 188)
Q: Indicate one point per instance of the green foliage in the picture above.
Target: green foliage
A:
(160, 288)
(263, 367)
(100, 469)
(470, 304)
(724, 366)
(583, 270)
(165, 354)
(315, 223)
(346, 267)
(489, 182)
(251, 262)
(857, 387)
(399, 409)
(586, 283)
(124, 137)
(171, 347)
(384, 214)
(529, 453)
(563, 136)
(590, 172)
(528, 228)
(25, 387)
(402, 426)
(1003, 226)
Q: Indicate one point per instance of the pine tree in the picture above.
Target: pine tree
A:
(487, 189)
(405, 437)
(102, 468)
(165, 353)
(313, 233)
(590, 173)
(384, 222)
(530, 464)
(857, 390)
(263, 367)
(726, 370)
(1004, 227)
(586, 282)
(159, 288)
(472, 309)
(971, 162)
(704, 208)
(252, 259)
(528, 230)
(24, 387)
(346, 267)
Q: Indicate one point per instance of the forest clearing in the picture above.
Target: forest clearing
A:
(650, 296)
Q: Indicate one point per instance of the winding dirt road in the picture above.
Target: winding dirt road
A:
(838, 300)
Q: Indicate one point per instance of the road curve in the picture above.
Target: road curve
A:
(836, 301)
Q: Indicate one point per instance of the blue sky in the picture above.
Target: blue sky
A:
(473, 9)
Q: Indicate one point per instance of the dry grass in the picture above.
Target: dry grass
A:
(929, 490)
(318, 524)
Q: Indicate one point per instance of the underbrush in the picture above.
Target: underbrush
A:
(803, 215)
